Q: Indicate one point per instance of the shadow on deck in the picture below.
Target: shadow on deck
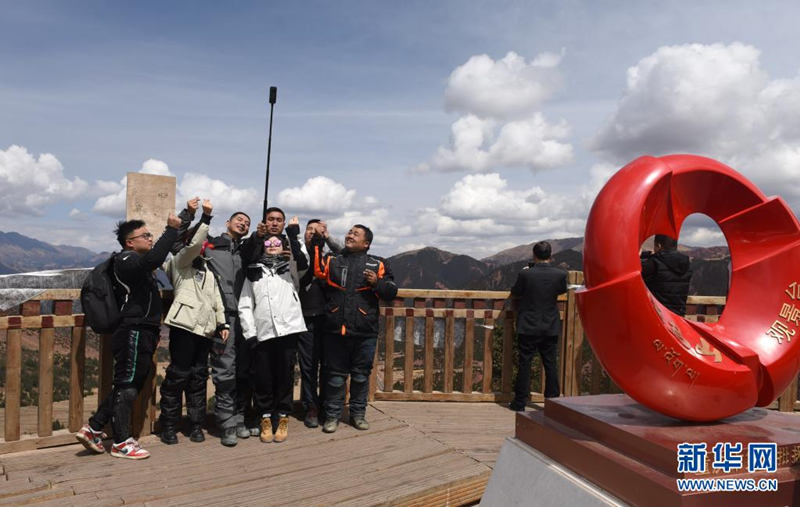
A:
(415, 453)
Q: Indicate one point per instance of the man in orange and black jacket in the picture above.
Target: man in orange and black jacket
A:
(354, 281)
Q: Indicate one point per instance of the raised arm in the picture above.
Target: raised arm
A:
(184, 258)
(132, 265)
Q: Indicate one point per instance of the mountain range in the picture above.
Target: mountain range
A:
(426, 268)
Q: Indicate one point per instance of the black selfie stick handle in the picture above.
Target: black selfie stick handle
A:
(273, 97)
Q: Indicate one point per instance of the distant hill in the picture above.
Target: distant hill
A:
(523, 252)
(431, 268)
(20, 254)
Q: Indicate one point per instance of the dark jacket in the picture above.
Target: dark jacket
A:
(312, 294)
(537, 288)
(140, 301)
(226, 257)
(351, 307)
(667, 274)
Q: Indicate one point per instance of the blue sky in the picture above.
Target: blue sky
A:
(470, 126)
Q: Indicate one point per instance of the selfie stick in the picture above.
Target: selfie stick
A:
(273, 97)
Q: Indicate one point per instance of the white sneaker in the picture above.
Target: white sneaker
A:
(91, 439)
(129, 449)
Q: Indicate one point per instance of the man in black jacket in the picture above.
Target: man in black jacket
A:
(667, 273)
(309, 343)
(136, 339)
(538, 322)
(354, 281)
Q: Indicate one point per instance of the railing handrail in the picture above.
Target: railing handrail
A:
(438, 313)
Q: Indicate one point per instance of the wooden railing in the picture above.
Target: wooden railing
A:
(435, 345)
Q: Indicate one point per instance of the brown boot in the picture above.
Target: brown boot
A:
(266, 430)
(283, 429)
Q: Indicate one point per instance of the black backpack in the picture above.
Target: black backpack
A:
(99, 298)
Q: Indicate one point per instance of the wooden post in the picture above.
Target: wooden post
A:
(449, 350)
(408, 372)
(488, 332)
(373, 380)
(13, 379)
(428, 373)
(46, 342)
(77, 375)
(106, 374)
(571, 347)
(469, 347)
(508, 351)
(388, 358)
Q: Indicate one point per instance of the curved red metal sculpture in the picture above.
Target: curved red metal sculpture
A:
(684, 369)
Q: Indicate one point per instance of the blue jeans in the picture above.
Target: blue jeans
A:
(347, 355)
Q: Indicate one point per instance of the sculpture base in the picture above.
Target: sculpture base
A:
(630, 451)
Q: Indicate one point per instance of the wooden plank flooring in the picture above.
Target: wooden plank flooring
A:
(415, 453)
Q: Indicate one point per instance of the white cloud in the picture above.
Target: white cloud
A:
(506, 88)
(702, 236)
(157, 167)
(226, 198)
(483, 212)
(501, 125)
(28, 184)
(715, 100)
(317, 195)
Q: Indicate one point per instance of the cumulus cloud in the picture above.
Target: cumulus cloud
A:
(226, 198)
(28, 183)
(533, 143)
(482, 211)
(501, 125)
(506, 88)
(714, 100)
(318, 195)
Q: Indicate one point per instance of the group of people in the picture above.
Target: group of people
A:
(257, 304)
(665, 271)
(250, 306)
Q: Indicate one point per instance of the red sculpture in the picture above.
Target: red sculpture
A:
(684, 369)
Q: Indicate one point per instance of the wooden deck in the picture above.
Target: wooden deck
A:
(415, 453)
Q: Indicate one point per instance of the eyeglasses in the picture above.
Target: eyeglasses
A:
(146, 235)
(273, 243)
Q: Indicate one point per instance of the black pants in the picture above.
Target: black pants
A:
(528, 345)
(187, 373)
(347, 355)
(223, 373)
(245, 383)
(312, 366)
(133, 358)
(273, 375)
